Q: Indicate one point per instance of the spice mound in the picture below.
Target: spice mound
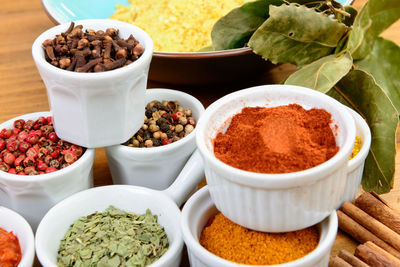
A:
(176, 25)
(91, 51)
(33, 147)
(113, 238)
(277, 140)
(165, 122)
(235, 243)
(10, 251)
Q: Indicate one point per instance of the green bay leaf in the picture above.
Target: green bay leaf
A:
(359, 91)
(384, 64)
(296, 34)
(235, 29)
(323, 74)
(374, 17)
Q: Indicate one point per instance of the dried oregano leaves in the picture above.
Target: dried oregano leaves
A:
(113, 238)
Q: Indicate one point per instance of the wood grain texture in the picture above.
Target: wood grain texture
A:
(22, 90)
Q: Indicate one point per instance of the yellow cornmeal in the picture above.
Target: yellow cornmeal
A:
(176, 25)
(356, 148)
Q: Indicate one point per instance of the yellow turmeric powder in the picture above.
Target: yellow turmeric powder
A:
(241, 245)
(356, 148)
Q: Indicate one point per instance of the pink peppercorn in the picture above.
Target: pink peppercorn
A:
(32, 138)
(69, 156)
(19, 124)
(16, 131)
(22, 136)
(29, 161)
(42, 166)
(19, 160)
(13, 146)
(167, 141)
(9, 158)
(4, 167)
(53, 137)
(51, 169)
(24, 146)
(32, 152)
(2, 144)
(12, 171)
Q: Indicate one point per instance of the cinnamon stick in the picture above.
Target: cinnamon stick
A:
(361, 234)
(373, 225)
(379, 210)
(373, 257)
(383, 252)
(338, 262)
(350, 258)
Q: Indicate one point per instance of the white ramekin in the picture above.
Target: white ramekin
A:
(33, 196)
(126, 197)
(155, 167)
(12, 221)
(200, 208)
(296, 200)
(96, 109)
(355, 166)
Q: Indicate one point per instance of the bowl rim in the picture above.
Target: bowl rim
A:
(140, 151)
(87, 155)
(38, 53)
(203, 196)
(67, 202)
(28, 256)
(365, 144)
(280, 180)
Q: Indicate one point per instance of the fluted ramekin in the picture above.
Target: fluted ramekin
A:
(33, 196)
(12, 221)
(275, 202)
(200, 208)
(155, 167)
(96, 109)
(355, 166)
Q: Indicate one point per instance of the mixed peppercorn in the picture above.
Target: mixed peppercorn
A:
(165, 122)
(91, 51)
(33, 147)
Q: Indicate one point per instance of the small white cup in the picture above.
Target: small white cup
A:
(33, 196)
(355, 166)
(298, 199)
(12, 221)
(155, 167)
(96, 109)
(200, 208)
(126, 197)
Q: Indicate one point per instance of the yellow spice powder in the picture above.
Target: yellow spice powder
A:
(356, 148)
(241, 245)
(176, 25)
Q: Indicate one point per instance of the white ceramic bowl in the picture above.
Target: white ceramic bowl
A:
(200, 208)
(12, 221)
(126, 197)
(96, 109)
(298, 199)
(155, 167)
(33, 196)
(355, 166)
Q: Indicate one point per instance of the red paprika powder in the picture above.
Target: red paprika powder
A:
(277, 140)
(10, 251)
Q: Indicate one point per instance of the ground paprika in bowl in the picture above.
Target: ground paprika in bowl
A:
(299, 198)
(197, 214)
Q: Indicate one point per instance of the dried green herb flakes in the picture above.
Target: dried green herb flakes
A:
(113, 238)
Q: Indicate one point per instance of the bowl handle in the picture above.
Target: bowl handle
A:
(187, 180)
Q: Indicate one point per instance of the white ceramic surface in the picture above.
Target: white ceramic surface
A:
(12, 221)
(33, 196)
(355, 166)
(96, 109)
(126, 197)
(298, 199)
(155, 167)
(200, 208)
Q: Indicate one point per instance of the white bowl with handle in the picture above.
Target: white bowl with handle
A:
(96, 109)
(128, 198)
(297, 200)
(200, 208)
(33, 196)
(12, 221)
(155, 167)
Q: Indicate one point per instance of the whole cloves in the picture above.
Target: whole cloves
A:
(91, 51)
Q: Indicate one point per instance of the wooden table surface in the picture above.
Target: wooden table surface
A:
(22, 90)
